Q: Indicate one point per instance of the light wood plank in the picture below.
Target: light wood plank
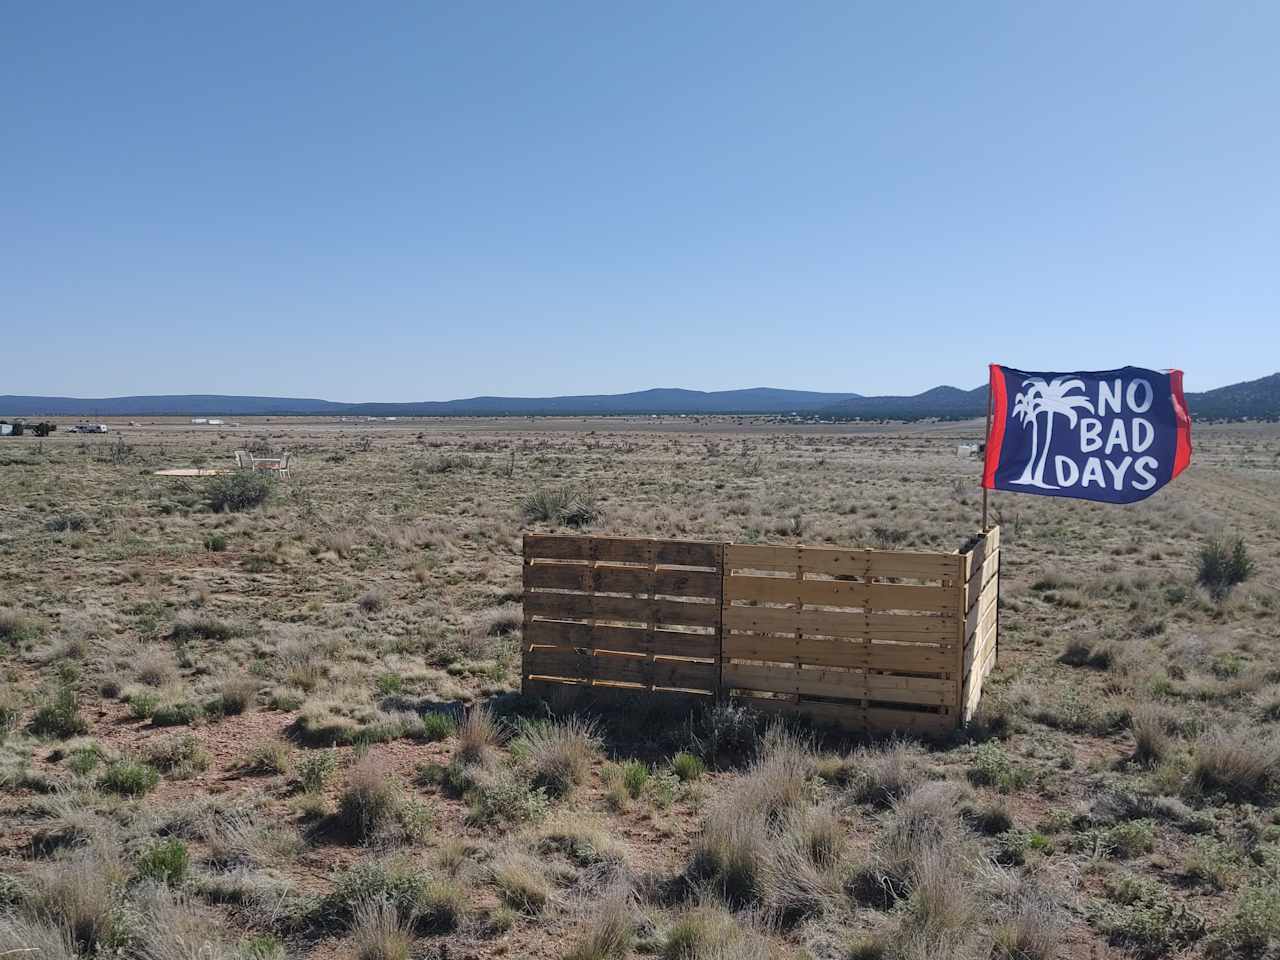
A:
(839, 593)
(829, 623)
(621, 639)
(836, 683)
(852, 563)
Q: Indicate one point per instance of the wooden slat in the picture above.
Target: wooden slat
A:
(687, 583)
(979, 578)
(985, 546)
(829, 623)
(851, 563)
(687, 553)
(914, 658)
(854, 718)
(978, 612)
(610, 668)
(839, 593)
(836, 683)
(621, 639)
(585, 606)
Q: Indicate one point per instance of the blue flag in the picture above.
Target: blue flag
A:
(1116, 436)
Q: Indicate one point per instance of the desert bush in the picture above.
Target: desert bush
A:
(559, 752)
(31, 937)
(687, 767)
(1085, 653)
(315, 769)
(166, 862)
(723, 734)
(709, 932)
(435, 726)
(1031, 929)
(479, 736)
(441, 905)
(179, 713)
(60, 716)
(237, 695)
(371, 799)
(1222, 564)
(1241, 765)
(215, 542)
(268, 757)
(1151, 738)
(191, 625)
(1142, 915)
(79, 893)
(179, 756)
(561, 506)
(142, 704)
(371, 601)
(237, 491)
(993, 767)
(608, 931)
(501, 798)
(17, 630)
(882, 774)
(129, 778)
(1252, 928)
(382, 931)
(172, 926)
(396, 880)
(521, 881)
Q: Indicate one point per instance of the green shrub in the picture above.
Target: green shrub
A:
(505, 800)
(60, 717)
(561, 506)
(315, 769)
(436, 726)
(635, 775)
(1144, 917)
(215, 542)
(84, 760)
(370, 801)
(180, 714)
(237, 491)
(142, 705)
(165, 862)
(1221, 564)
(992, 767)
(687, 767)
(129, 778)
(18, 630)
(1253, 925)
(179, 756)
(200, 626)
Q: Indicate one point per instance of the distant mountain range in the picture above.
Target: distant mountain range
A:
(1258, 399)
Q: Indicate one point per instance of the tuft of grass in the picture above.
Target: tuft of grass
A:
(234, 492)
(215, 542)
(32, 937)
(1151, 740)
(1241, 765)
(80, 894)
(180, 713)
(315, 769)
(609, 931)
(521, 882)
(370, 801)
(190, 625)
(371, 601)
(271, 757)
(882, 774)
(60, 716)
(179, 756)
(129, 778)
(565, 506)
(165, 862)
(436, 726)
(1221, 564)
(479, 736)
(687, 767)
(382, 931)
(237, 695)
(17, 629)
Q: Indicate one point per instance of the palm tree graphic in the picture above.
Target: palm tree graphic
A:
(1050, 398)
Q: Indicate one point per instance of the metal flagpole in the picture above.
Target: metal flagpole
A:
(986, 439)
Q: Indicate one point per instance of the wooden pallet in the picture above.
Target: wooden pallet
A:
(634, 614)
(868, 640)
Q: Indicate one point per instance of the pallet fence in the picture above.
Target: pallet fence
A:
(868, 640)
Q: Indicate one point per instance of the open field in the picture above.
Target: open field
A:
(236, 734)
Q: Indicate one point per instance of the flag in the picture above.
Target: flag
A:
(1116, 436)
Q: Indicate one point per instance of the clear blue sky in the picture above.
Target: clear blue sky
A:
(427, 200)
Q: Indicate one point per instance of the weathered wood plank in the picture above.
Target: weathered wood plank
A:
(586, 606)
(839, 593)
(855, 718)
(830, 623)
(821, 651)
(978, 612)
(850, 685)
(979, 578)
(621, 639)
(687, 553)
(618, 668)
(850, 563)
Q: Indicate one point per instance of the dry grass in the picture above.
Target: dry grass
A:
(381, 931)
(257, 623)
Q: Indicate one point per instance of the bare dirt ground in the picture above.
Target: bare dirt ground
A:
(238, 729)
